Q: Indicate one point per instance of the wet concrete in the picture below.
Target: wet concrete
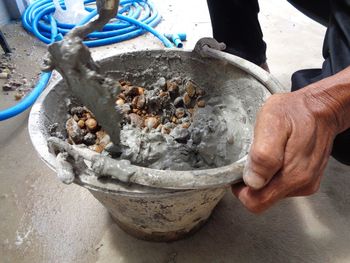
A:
(42, 220)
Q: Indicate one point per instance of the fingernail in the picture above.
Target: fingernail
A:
(253, 180)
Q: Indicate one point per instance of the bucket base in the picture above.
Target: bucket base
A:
(159, 236)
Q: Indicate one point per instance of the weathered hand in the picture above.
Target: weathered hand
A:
(293, 140)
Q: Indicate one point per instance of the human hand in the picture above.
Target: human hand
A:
(292, 143)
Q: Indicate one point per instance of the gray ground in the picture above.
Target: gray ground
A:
(42, 220)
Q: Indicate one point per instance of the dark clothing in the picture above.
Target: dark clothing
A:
(235, 22)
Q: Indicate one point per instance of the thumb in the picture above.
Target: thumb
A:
(266, 154)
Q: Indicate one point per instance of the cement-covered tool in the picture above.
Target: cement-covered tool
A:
(73, 60)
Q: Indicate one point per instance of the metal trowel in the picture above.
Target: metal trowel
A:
(73, 60)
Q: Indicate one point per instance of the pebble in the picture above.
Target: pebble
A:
(19, 95)
(161, 83)
(111, 148)
(180, 112)
(125, 108)
(190, 88)
(6, 70)
(84, 118)
(186, 125)
(170, 125)
(172, 86)
(7, 87)
(178, 80)
(77, 110)
(201, 103)
(178, 102)
(124, 83)
(163, 94)
(134, 102)
(200, 92)
(231, 139)
(4, 75)
(74, 132)
(132, 91)
(141, 101)
(186, 99)
(141, 90)
(15, 83)
(81, 124)
(136, 120)
(122, 96)
(90, 138)
(88, 115)
(120, 102)
(164, 119)
(91, 124)
(104, 140)
(76, 118)
(97, 148)
(152, 122)
(100, 134)
(165, 130)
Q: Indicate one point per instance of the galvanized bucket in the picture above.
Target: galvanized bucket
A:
(157, 212)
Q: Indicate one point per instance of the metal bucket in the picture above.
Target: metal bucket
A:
(158, 213)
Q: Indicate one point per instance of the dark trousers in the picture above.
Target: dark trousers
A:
(235, 22)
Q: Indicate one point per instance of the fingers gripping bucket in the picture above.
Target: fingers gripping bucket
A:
(159, 212)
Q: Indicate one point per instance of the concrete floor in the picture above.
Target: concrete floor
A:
(42, 220)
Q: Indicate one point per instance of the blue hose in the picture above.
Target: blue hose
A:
(135, 17)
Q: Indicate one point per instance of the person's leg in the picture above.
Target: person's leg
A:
(235, 22)
(336, 52)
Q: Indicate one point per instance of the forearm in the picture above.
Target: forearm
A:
(330, 99)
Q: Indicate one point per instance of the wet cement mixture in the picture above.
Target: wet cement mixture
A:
(165, 126)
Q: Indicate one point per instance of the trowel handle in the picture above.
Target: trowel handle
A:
(107, 9)
(124, 172)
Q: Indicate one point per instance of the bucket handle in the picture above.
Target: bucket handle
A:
(210, 48)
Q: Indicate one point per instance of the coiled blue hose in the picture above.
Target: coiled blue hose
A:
(135, 17)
